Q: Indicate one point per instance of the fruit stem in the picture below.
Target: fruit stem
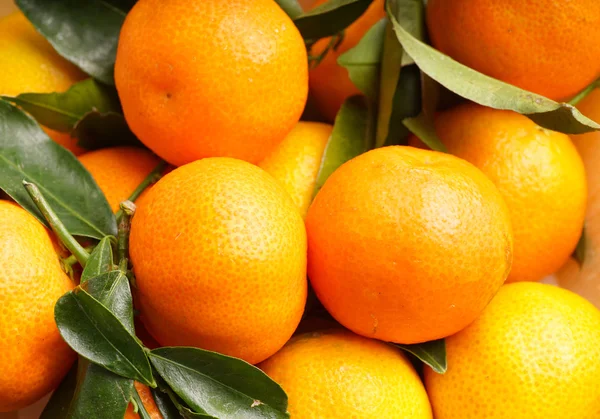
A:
(152, 177)
(56, 225)
(582, 95)
(127, 211)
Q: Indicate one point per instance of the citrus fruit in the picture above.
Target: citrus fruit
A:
(295, 163)
(211, 78)
(330, 84)
(534, 353)
(30, 65)
(407, 245)
(119, 170)
(539, 174)
(33, 356)
(148, 401)
(219, 253)
(337, 374)
(543, 46)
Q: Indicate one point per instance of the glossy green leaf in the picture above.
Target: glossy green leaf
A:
(100, 130)
(291, 7)
(95, 333)
(349, 138)
(478, 87)
(84, 32)
(58, 405)
(406, 104)
(165, 405)
(330, 18)
(364, 60)
(431, 353)
(27, 153)
(218, 385)
(99, 262)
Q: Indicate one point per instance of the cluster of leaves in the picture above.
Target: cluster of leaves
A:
(403, 82)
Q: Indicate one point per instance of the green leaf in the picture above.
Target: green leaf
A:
(431, 353)
(291, 7)
(218, 385)
(406, 104)
(58, 405)
(99, 262)
(141, 409)
(364, 60)
(62, 111)
(480, 88)
(580, 250)
(27, 153)
(349, 138)
(165, 405)
(330, 18)
(95, 333)
(100, 130)
(112, 290)
(84, 32)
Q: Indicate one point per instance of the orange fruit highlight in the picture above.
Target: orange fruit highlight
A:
(211, 78)
(544, 46)
(118, 171)
(534, 353)
(219, 253)
(33, 355)
(407, 245)
(295, 163)
(148, 401)
(537, 171)
(339, 375)
(30, 65)
(330, 84)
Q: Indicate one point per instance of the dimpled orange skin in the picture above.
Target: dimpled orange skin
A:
(219, 253)
(148, 401)
(539, 174)
(544, 46)
(339, 375)
(211, 78)
(33, 356)
(534, 353)
(407, 245)
(295, 163)
(118, 171)
(30, 65)
(330, 84)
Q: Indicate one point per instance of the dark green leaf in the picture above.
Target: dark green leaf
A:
(406, 104)
(58, 405)
(349, 138)
(84, 32)
(99, 262)
(27, 153)
(364, 60)
(62, 111)
(218, 385)
(165, 405)
(100, 130)
(431, 353)
(291, 7)
(113, 291)
(480, 88)
(95, 333)
(330, 18)
(580, 250)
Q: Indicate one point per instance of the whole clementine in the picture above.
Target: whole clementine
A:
(539, 174)
(211, 78)
(330, 84)
(219, 254)
(534, 353)
(543, 46)
(407, 245)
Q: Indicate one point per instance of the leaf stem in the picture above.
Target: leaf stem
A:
(55, 224)
(127, 210)
(152, 177)
(583, 94)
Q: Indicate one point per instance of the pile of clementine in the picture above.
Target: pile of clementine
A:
(241, 241)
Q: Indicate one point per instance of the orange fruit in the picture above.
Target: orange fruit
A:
(119, 170)
(30, 65)
(148, 401)
(407, 245)
(219, 253)
(330, 84)
(539, 174)
(534, 353)
(211, 78)
(33, 355)
(295, 163)
(543, 46)
(339, 375)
